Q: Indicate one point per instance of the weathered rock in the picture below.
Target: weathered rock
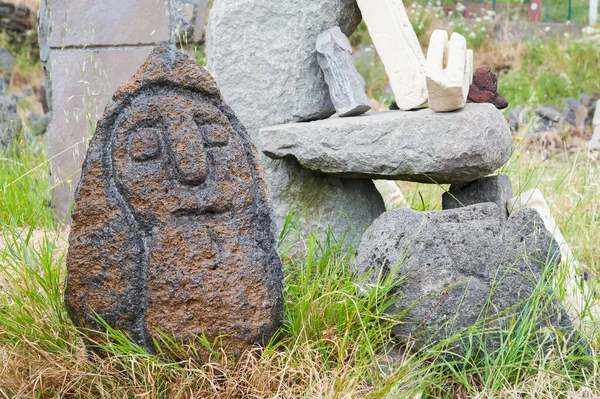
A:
(543, 126)
(399, 48)
(187, 20)
(496, 189)
(263, 57)
(484, 88)
(10, 122)
(420, 146)
(448, 73)
(575, 114)
(547, 112)
(7, 62)
(171, 225)
(346, 86)
(458, 266)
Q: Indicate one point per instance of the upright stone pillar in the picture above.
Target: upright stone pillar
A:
(88, 49)
(263, 56)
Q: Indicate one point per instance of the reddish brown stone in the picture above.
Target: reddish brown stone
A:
(484, 88)
(171, 225)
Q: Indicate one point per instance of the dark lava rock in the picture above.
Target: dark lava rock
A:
(171, 225)
(7, 62)
(484, 88)
(457, 267)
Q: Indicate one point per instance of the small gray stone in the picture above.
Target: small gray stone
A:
(10, 122)
(458, 266)
(496, 189)
(38, 124)
(575, 114)
(421, 146)
(7, 62)
(548, 112)
(346, 86)
(543, 126)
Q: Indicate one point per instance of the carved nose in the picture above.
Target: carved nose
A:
(189, 152)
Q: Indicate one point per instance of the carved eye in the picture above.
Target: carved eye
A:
(213, 134)
(144, 145)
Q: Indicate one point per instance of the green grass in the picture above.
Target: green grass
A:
(551, 72)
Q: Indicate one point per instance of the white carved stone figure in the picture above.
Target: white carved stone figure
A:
(578, 299)
(392, 195)
(399, 49)
(449, 71)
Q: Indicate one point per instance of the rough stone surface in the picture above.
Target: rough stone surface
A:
(263, 57)
(496, 189)
(458, 266)
(399, 49)
(420, 146)
(10, 122)
(171, 225)
(16, 18)
(346, 86)
(484, 88)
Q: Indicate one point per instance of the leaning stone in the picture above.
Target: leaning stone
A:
(457, 267)
(399, 48)
(420, 146)
(496, 189)
(171, 225)
(346, 86)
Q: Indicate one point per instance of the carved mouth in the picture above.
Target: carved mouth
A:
(200, 211)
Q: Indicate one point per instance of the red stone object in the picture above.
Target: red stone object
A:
(484, 88)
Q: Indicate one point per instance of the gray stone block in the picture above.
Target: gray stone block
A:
(496, 189)
(346, 86)
(455, 267)
(420, 146)
(547, 112)
(262, 55)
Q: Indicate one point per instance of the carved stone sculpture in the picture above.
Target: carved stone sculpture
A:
(171, 225)
(449, 71)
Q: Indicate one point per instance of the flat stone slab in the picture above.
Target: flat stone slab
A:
(420, 146)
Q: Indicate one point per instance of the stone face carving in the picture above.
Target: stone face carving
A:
(171, 226)
(346, 86)
(458, 266)
(448, 86)
(397, 45)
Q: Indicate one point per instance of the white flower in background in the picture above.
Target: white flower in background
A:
(567, 34)
(478, 19)
(483, 29)
(420, 26)
(450, 13)
(588, 30)
(472, 34)
(547, 29)
(451, 23)
(460, 7)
